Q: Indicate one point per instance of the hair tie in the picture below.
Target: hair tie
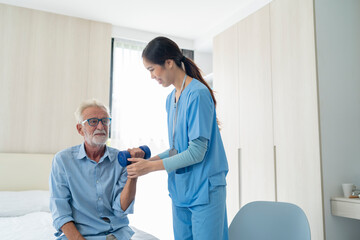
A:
(183, 58)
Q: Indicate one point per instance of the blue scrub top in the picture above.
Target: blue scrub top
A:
(196, 118)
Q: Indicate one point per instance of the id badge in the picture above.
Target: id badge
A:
(173, 152)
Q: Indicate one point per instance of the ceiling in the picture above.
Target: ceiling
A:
(196, 20)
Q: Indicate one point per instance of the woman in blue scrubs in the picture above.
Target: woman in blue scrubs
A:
(196, 162)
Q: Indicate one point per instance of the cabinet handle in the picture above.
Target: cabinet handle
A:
(275, 174)
(239, 172)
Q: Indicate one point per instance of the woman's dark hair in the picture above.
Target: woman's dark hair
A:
(161, 49)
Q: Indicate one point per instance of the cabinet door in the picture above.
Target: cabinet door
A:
(257, 177)
(225, 85)
(295, 107)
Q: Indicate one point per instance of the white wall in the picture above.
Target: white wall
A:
(143, 36)
(205, 43)
(204, 62)
(202, 58)
(338, 53)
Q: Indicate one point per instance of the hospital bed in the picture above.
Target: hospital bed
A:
(24, 198)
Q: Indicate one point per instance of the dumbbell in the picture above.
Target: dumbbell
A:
(124, 155)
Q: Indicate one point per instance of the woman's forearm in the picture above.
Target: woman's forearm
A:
(141, 167)
(156, 164)
(154, 158)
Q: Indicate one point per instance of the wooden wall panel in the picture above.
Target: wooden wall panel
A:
(49, 64)
(99, 64)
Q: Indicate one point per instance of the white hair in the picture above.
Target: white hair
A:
(86, 104)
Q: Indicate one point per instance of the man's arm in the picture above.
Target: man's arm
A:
(59, 201)
(71, 231)
(127, 195)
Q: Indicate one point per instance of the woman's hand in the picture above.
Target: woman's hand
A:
(138, 167)
(141, 167)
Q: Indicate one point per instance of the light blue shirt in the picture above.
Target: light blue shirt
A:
(189, 186)
(84, 191)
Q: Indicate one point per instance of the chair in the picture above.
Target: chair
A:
(262, 220)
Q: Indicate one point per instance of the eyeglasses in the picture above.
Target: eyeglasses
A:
(95, 121)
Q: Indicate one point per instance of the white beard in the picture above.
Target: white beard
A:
(96, 139)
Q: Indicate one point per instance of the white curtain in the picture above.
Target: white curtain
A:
(138, 102)
(139, 118)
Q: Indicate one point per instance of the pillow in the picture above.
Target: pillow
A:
(14, 204)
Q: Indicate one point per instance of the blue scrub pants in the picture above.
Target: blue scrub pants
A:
(202, 222)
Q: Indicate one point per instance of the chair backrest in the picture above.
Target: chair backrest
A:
(263, 220)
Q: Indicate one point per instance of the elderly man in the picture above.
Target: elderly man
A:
(90, 192)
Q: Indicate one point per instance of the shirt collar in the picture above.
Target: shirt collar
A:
(82, 154)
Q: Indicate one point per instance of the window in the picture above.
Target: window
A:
(138, 102)
(139, 118)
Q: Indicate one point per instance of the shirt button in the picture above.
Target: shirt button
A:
(97, 181)
(99, 198)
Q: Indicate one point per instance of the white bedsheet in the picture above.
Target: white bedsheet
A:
(38, 226)
(32, 226)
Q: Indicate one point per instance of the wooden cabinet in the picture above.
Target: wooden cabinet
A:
(288, 90)
(295, 109)
(226, 62)
(257, 173)
(245, 105)
(277, 121)
(289, 99)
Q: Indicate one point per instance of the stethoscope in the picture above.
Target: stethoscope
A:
(173, 151)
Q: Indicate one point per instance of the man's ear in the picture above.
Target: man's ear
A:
(79, 128)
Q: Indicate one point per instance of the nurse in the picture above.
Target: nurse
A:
(195, 162)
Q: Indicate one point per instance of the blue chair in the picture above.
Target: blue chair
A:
(270, 221)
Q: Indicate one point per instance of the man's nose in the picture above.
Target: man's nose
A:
(152, 75)
(100, 125)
